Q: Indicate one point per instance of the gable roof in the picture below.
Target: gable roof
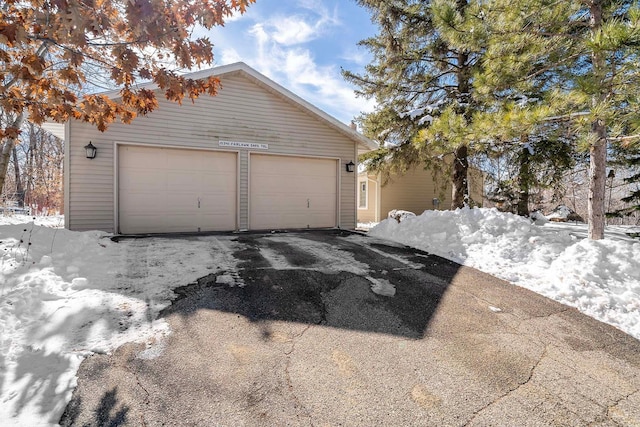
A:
(240, 68)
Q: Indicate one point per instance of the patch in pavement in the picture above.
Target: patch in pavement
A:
(341, 300)
(304, 280)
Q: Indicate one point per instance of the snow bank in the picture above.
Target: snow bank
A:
(600, 278)
(65, 295)
(52, 221)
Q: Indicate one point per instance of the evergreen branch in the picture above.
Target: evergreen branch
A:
(623, 138)
(567, 116)
(552, 66)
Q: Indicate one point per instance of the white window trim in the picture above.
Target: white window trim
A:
(366, 194)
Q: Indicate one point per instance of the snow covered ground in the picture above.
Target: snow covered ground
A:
(600, 278)
(52, 221)
(65, 295)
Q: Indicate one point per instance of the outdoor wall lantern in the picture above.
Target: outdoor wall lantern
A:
(351, 167)
(91, 150)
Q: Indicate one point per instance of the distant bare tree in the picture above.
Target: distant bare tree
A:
(37, 166)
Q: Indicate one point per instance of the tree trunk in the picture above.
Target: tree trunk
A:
(16, 172)
(7, 147)
(598, 151)
(524, 179)
(460, 188)
(597, 182)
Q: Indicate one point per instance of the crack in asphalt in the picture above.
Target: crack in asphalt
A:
(296, 400)
(619, 401)
(511, 391)
(147, 398)
(296, 337)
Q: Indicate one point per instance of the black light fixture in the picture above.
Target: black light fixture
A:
(91, 150)
(350, 167)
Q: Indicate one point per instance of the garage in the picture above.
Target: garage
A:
(292, 192)
(253, 157)
(164, 190)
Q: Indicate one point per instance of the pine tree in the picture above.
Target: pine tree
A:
(586, 53)
(614, 38)
(512, 83)
(423, 86)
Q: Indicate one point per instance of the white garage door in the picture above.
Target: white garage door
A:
(163, 190)
(292, 192)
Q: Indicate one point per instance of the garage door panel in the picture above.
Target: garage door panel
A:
(221, 165)
(169, 222)
(220, 204)
(300, 186)
(144, 178)
(159, 190)
(187, 181)
(181, 161)
(139, 203)
(292, 192)
(217, 180)
(142, 156)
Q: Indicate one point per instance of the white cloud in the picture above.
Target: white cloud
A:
(301, 28)
(318, 7)
(275, 46)
(229, 56)
(292, 31)
(323, 86)
(356, 56)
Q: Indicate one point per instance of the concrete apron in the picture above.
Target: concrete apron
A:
(300, 343)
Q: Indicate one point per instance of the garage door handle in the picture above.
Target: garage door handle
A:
(308, 203)
(198, 202)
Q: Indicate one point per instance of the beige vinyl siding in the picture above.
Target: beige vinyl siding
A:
(414, 192)
(243, 205)
(91, 192)
(369, 214)
(243, 111)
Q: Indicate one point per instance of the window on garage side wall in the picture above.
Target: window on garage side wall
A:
(362, 194)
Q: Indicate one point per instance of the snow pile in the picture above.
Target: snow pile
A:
(53, 221)
(564, 213)
(366, 226)
(400, 215)
(600, 278)
(65, 295)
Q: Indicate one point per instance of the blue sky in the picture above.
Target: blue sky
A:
(302, 44)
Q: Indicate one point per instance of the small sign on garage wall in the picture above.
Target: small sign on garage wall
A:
(238, 144)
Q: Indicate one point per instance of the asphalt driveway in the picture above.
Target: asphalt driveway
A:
(336, 329)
